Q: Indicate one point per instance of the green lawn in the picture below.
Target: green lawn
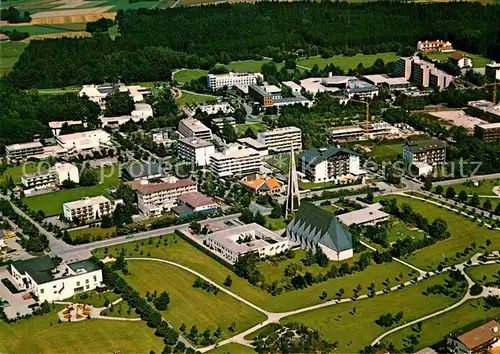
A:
(388, 152)
(46, 29)
(59, 91)
(120, 310)
(187, 75)
(484, 274)
(94, 298)
(485, 187)
(275, 224)
(16, 172)
(400, 231)
(347, 63)
(181, 252)
(319, 185)
(470, 315)
(463, 232)
(330, 208)
(251, 66)
(194, 99)
(190, 305)
(355, 329)
(256, 127)
(108, 175)
(42, 334)
(282, 162)
(9, 54)
(477, 60)
(232, 348)
(93, 232)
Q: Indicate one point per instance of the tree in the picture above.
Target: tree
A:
(369, 195)
(487, 205)
(450, 193)
(276, 212)
(321, 257)
(439, 229)
(462, 196)
(428, 185)
(228, 281)
(439, 189)
(259, 218)
(119, 104)
(161, 301)
(88, 177)
(195, 226)
(249, 133)
(122, 214)
(228, 132)
(193, 332)
(476, 289)
(68, 184)
(106, 222)
(497, 209)
(182, 328)
(474, 200)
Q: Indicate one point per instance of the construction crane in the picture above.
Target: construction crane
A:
(367, 104)
(494, 96)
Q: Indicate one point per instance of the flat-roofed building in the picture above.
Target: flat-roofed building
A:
(195, 150)
(142, 111)
(56, 126)
(255, 144)
(191, 127)
(143, 171)
(223, 108)
(236, 160)
(358, 131)
(492, 72)
(219, 122)
(484, 109)
(281, 139)
(194, 203)
(232, 243)
(23, 151)
(66, 172)
(422, 72)
(361, 89)
(394, 83)
(89, 208)
(403, 67)
(161, 135)
(259, 94)
(154, 197)
(370, 215)
(487, 132)
(295, 88)
(431, 152)
(39, 180)
(84, 141)
(231, 79)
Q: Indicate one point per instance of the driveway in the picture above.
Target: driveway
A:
(16, 301)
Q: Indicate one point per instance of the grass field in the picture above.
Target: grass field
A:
(9, 54)
(120, 310)
(232, 348)
(47, 29)
(477, 60)
(355, 329)
(59, 91)
(347, 63)
(194, 99)
(190, 305)
(94, 298)
(275, 224)
(400, 231)
(181, 252)
(485, 187)
(463, 232)
(51, 203)
(387, 152)
(484, 274)
(42, 334)
(93, 232)
(16, 172)
(187, 75)
(256, 127)
(319, 185)
(469, 315)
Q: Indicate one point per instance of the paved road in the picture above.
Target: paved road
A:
(461, 180)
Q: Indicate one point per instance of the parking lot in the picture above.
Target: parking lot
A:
(17, 305)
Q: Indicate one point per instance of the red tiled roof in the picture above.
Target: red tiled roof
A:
(480, 335)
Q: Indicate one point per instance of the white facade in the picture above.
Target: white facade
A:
(89, 208)
(237, 160)
(91, 140)
(216, 82)
(39, 180)
(161, 136)
(224, 108)
(67, 171)
(142, 111)
(69, 280)
(191, 127)
(23, 151)
(340, 169)
(195, 150)
(281, 139)
(334, 255)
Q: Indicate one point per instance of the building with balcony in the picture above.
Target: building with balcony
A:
(51, 177)
(23, 151)
(231, 79)
(219, 122)
(425, 154)
(281, 139)
(236, 160)
(435, 46)
(89, 208)
(50, 281)
(143, 171)
(195, 150)
(191, 127)
(487, 132)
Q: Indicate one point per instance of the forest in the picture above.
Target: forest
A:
(153, 42)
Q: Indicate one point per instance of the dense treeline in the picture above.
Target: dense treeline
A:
(153, 42)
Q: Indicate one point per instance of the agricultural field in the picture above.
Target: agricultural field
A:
(57, 199)
(9, 53)
(463, 232)
(193, 99)
(345, 322)
(47, 29)
(183, 253)
(465, 317)
(189, 305)
(42, 334)
(187, 75)
(477, 60)
(347, 63)
(485, 274)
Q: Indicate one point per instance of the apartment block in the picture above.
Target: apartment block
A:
(236, 160)
(84, 141)
(197, 151)
(429, 152)
(23, 151)
(89, 208)
(487, 132)
(39, 180)
(191, 127)
(281, 139)
(231, 79)
(436, 45)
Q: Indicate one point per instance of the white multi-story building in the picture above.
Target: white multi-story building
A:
(331, 164)
(191, 127)
(39, 180)
(66, 171)
(281, 139)
(161, 136)
(195, 150)
(237, 241)
(216, 82)
(91, 140)
(89, 208)
(49, 281)
(23, 151)
(236, 160)
(154, 198)
(219, 122)
(142, 111)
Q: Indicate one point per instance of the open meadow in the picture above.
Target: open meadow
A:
(186, 75)
(347, 63)
(485, 275)
(193, 99)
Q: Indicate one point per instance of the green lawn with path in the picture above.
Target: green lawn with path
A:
(463, 231)
(355, 329)
(485, 274)
(347, 63)
(467, 316)
(51, 203)
(187, 75)
(183, 253)
(399, 231)
(193, 99)
(93, 298)
(42, 334)
(232, 348)
(189, 305)
(477, 60)
(120, 310)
